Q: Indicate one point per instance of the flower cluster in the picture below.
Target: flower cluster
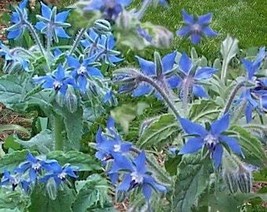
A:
(35, 170)
(125, 172)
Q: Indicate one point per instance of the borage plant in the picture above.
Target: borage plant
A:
(204, 153)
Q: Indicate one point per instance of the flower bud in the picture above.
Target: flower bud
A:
(126, 20)
(102, 27)
(163, 37)
(71, 101)
(51, 189)
(244, 179)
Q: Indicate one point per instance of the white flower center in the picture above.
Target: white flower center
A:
(211, 141)
(82, 70)
(196, 28)
(62, 175)
(137, 178)
(117, 148)
(36, 166)
(57, 85)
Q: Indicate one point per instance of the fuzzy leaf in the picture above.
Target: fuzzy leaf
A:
(229, 48)
(192, 180)
(12, 160)
(163, 129)
(84, 162)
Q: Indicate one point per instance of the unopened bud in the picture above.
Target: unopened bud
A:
(51, 189)
(231, 181)
(163, 37)
(71, 100)
(102, 27)
(244, 179)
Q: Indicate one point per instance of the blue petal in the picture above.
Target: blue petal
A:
(195, 38)
(192, 128)
(232, 143)
(217, 155)
(94, 5)
(110, 123)
(60, 73)
(60, 32)
(199, 91)
(141, 90)
(61, 17)
(82, 82)
(204, 19)
(248, 112)
(184, 31)
(46, 11)
(48, 83)
(73, 62)
(40, 25)
(192, 146)
(209, 32)
(168, 61)
(204, 73)
(174, 81)
(220, 125)
(125, 185)
(147, 191)
(187, 18)
(95, 72)
(185, 64)
(152, 182)
(124, 3)
(147, 67)
(140, 163)
(23, 4)
(14, 34)
(248, 65)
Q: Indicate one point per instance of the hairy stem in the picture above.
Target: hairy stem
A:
(77, 40)
(167, 99)
(58, 129)
(232, 96)
(143, 8)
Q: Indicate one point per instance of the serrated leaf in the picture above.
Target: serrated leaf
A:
(192, 180)
(92, 194)
(161, 130)
(41, 202)
(84, 162)
(12, 160)
(251, 146)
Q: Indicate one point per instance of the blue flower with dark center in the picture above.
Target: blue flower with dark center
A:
(213, 139)
(81, 71)
(110, 8)
(33, 165)
(139, 177)
(51, 23)
(196, 27)
(13, 179)
(57, 81)
(161, 71)
(58, 173)
(192, 76)
(18, 20)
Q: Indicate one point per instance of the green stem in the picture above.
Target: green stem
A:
(167, 99)
(142, 10)
(232, 96)
(77, 40)
(58, 129)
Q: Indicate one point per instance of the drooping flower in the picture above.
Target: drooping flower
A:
(58, 173)
(82, 70)
(192, 76)
(161, 70)
(9, 178)
(33, 165)
(57, 81)
(110, 8)
(51, 23)
(139, 177)
(18, 19)
(212, 139)
(196, 27)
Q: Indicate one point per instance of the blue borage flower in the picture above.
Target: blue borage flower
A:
(255, 97)
(51, 23)
(18, 19)
(58, 81)
(58, 173)
(139, 177)
(212, 139)
(192, 76)
(151, 69)
(110, 8)
(81, 71)
(196, 27)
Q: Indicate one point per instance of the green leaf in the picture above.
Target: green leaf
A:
(13, 201)
(42, 142)
(12, 160)
(251, 146)
(163, 129)
(92, 194)
(83, 161)
(74, 128)
(192, 180)
(41, 202)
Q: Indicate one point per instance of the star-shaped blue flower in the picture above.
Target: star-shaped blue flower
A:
(57, 81)
(196, 27)
(151, 69)
(138, 176)
(81, 71)
(192, 76)
(110, 8)
(18, 19)
(212, 139)
(51, 23)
